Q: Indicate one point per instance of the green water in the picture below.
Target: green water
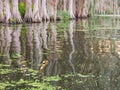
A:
(66, 55)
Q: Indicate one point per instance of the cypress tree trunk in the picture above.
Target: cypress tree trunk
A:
(44, 10)
(1, 11)
(60, 5)
(28, 13)
(55, 9)
(15, 12)
(47, 9)
(96, 6)
(65, 5)
(85, 11)
(82, 8)
(52, 4)
(7, 13)
(40, 7)
(106, 6)
(71, 8)
(79, 8)
(115, 7)
(36, 16)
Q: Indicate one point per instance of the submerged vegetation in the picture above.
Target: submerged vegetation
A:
(27, 80)
(30, 80)
(64, 55)
(76, 53)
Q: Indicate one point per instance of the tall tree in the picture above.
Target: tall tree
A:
(15, 12)
(36, 16)
(7, 13)
(40, 7)
(28, 13)
(65, 5)
(106, 6)
(82, 8)
(44, 10)
(71, 8)
(1, 11)
(52, 9)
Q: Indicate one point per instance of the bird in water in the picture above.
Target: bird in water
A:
(43, 66)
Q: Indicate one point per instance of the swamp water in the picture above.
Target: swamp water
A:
(74, 55)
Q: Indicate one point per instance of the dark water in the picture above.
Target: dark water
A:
(75, 55)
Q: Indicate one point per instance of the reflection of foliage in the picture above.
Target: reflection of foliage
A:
(61, 25)
(23, 30)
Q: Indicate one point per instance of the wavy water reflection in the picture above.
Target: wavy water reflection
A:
(85, 57)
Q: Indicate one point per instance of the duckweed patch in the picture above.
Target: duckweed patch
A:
(28, 80)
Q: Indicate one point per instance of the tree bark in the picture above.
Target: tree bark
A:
(65, 4)
(36, 16)
(1, 11)
(85, 11)
(28, 13)
(44, 10)
(52, 9)
(82, 8)
(7, 13)
(71, 8)
(15, 12)
(40, 7)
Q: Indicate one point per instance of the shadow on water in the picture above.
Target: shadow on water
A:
(75, 55)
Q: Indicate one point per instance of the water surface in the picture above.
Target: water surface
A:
(74, 55)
